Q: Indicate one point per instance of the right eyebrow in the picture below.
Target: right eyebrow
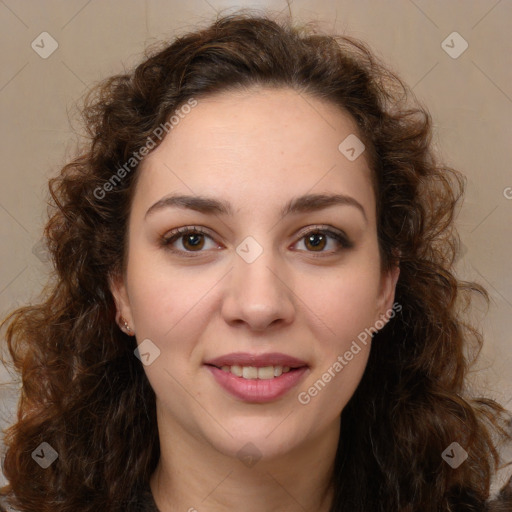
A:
(197, 203)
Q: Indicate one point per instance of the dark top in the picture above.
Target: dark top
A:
(145, 502)
(502, 503)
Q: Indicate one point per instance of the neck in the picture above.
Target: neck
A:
(194, 476)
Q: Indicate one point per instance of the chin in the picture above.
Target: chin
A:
(253, 439)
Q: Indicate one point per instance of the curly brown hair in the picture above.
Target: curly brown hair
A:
(82, 385)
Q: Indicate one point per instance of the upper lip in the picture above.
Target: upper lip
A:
(257, 360)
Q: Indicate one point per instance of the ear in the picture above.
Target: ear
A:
(387, 292)
(118, 289)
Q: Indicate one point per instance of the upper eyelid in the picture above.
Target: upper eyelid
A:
(320, 227)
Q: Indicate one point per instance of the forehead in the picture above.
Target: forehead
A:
(256, 145)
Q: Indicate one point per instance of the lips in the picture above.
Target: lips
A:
(248, 377)
(256, 360)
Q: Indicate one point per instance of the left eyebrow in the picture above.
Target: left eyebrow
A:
(301, 204)
(314, 202)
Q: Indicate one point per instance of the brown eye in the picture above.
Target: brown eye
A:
(325, 241)
(193, 241)
(315, 241)
(187, 240)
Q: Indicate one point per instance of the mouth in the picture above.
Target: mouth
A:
(257, 366)
(255, 372)
(257, 378)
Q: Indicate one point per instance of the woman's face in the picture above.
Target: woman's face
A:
(280, 269)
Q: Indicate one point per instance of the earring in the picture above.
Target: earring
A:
(125, 324)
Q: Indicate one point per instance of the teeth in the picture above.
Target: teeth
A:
(251, 372)
(235, 370)
(265, 373)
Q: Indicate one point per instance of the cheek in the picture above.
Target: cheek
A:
(340, 305)
(169, 306)
(341, 311)
(329, 389)
(342, 347)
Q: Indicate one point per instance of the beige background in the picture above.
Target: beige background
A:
(470, 98)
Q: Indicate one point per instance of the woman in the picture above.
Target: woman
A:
(254, 305)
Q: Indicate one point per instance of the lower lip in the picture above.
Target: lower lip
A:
(258, 390)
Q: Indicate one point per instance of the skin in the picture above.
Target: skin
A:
(256, 149)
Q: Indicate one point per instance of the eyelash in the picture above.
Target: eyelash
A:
(178, 233)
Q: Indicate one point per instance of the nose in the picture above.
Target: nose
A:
(258, 294)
